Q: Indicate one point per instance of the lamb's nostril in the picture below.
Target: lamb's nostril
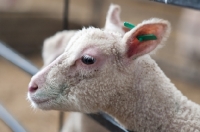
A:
(32, 89)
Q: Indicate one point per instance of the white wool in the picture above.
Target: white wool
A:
(135, 92)
(55, 45)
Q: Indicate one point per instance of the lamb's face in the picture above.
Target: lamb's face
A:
(94, 68)
(74, 80)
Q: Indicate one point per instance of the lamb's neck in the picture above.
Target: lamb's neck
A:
(152, 102)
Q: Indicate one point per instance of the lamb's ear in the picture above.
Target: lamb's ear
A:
(113, 21)
(134, 48)
(53, 47)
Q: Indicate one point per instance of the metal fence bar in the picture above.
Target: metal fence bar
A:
(16, 59)
(66, 15)
(195, 4)
(65, 27)
(108, 122)
(10, 121)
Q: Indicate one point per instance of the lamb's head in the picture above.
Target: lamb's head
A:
(96, 66)
(55, 45)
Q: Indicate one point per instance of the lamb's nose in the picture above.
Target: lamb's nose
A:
(32, 88)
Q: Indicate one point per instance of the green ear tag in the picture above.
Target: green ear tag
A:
(141, 37)
(146, 37)
(129, 25)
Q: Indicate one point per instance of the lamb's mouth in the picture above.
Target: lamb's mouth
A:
(41, 101)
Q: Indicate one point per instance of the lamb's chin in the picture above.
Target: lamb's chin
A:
(44, 104)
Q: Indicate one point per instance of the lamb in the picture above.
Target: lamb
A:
(52, 48)
(55, 45)
(106, 71)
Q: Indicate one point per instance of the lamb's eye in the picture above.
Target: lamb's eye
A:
(88, 60)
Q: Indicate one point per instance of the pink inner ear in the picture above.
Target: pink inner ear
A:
(135, 47)
(115, 17)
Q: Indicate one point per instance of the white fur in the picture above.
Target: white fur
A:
(135, 92)
(55, 45)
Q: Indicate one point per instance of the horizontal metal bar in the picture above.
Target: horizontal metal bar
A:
(28, 67)
(108, 122)
(195, 4)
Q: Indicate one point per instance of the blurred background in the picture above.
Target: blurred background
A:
(24, 24)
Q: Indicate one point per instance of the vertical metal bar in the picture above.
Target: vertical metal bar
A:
(61, 120)
(66, 15)
(65, 27)
(97, 6)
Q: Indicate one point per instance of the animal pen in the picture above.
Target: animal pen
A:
(102, 118)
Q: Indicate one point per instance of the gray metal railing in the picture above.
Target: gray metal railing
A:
(10, 121)
(194, 4)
